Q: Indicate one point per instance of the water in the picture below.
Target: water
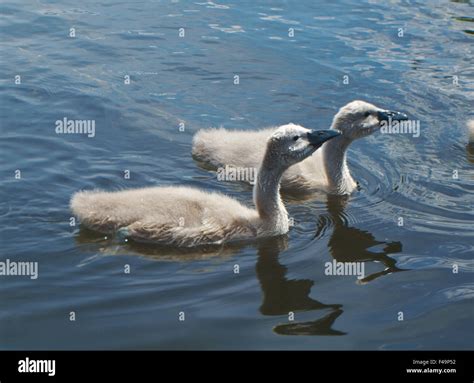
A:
(189, 80)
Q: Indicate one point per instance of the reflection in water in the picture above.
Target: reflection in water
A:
(470, 143)
(281, 296)
(461, 1)
(110, 245)
(464, 19)
(470, 152)
(349, 244)
(318, 327)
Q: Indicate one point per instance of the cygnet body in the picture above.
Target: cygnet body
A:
(326, 170)
(187, 217)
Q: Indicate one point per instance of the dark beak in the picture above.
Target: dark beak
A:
(319, 137)
(389, 115)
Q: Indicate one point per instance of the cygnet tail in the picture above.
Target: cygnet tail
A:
(202, 149)
(88, 207)
(470, 130)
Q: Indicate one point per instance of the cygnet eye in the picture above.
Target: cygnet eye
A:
(295, 138)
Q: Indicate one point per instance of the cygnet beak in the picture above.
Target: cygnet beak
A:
(319, 137)
(389, 115)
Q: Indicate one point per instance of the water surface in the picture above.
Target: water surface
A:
(189, 82)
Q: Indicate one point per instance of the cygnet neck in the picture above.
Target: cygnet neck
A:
(266, 194)
(335, 164)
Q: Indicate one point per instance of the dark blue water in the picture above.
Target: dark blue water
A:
(428, 73)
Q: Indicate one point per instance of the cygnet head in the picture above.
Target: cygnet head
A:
(291, 144)
(359, 119)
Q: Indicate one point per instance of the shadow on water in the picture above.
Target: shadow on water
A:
(349, 244)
